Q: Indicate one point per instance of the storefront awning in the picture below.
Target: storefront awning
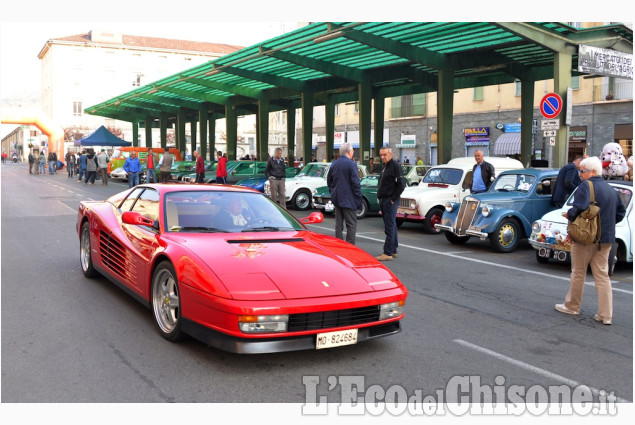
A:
(508, 144)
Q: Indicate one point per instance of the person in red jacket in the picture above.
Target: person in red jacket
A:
(200, 167)
(221, 169)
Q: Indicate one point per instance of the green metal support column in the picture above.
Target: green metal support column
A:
(180, 132)
(329, 109)
(148, 124)
(445, 111)
(262, 141)
(562, 79)
(135, 134)
(379, 126)
(211, 126)
(231, 120)
(291, 135)
(365, 95)
(526, 118)
(163, 129)
(202, 122)
(307, 126)
(193, 136)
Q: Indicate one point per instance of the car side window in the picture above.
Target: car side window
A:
(127, 204)
(148, 204)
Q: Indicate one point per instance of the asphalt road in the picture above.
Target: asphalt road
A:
(470, 313)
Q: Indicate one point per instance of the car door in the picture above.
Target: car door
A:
(141, 240)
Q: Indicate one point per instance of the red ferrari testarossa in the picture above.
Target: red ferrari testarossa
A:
(228, 266)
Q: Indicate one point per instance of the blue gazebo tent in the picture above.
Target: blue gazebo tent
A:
(102, 137)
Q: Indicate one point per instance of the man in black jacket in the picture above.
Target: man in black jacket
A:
(568, 179)
(391, 185)
(597, 254)
(482, 174)
(275, 172)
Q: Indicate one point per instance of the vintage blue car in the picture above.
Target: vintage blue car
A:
(504, 214)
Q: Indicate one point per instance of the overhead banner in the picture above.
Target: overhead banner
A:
(595, 60)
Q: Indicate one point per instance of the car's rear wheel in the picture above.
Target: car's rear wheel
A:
(361, 213)
(456, 240)
(85, 252)
(301, 200)
(166, 302)
(612, 259)
(433, 217)
(506, 236)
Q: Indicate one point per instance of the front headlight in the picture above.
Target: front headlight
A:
(263, 324)
(535, 227)
(390, 310)
(449, 206)
(412, 204)
(486, 210)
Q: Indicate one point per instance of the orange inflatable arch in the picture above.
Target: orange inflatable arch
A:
(54, 132)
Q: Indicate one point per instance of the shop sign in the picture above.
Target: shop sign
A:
(513, 127)
(476, 131)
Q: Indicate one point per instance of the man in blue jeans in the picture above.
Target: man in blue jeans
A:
(132, 167)
(391, 185)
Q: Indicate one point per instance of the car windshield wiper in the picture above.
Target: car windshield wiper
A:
(266, 229)
(203, 229)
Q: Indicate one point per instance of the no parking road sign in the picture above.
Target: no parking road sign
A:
(551, 105)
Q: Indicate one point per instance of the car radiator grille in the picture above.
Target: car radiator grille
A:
(466, 216)
(404, 202)
(113, 256)
(333, 319)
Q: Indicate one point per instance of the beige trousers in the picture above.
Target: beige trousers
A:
(581, 257)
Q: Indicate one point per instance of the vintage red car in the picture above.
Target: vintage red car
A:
(231, 268)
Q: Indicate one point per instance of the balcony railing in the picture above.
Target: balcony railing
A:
(619, 91)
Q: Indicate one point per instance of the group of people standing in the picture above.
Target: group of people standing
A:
(346, 195)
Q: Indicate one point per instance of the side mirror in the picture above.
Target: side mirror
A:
(132, 217)
(314, 217)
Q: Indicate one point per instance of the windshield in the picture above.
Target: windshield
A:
(314, 169)
(443, 175)
(225, 212)
(513, 183)
(624, 193)
(369, 182)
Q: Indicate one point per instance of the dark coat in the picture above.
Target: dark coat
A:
(391, 182)
(568, 179)
(275, 168)
(612, 209)
(343, 183)
(487, 173)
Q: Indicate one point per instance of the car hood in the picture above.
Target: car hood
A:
(287, 265)
(414, 192)
(555, 216)
(501, 199)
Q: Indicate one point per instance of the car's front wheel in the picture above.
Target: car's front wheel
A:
(433, 217)
(455, 239)
(506, 236)
(166, 302)
(85, 251)
(301, 200)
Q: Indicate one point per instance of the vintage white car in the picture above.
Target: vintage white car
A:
(414, 173)
(299, 189)
(550, 239)
(425, 203)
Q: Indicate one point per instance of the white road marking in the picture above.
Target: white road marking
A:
(526, 366)
(503, 266)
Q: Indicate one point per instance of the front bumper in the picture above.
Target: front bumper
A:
(408, 216)
(239, 345)
(469, 232)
